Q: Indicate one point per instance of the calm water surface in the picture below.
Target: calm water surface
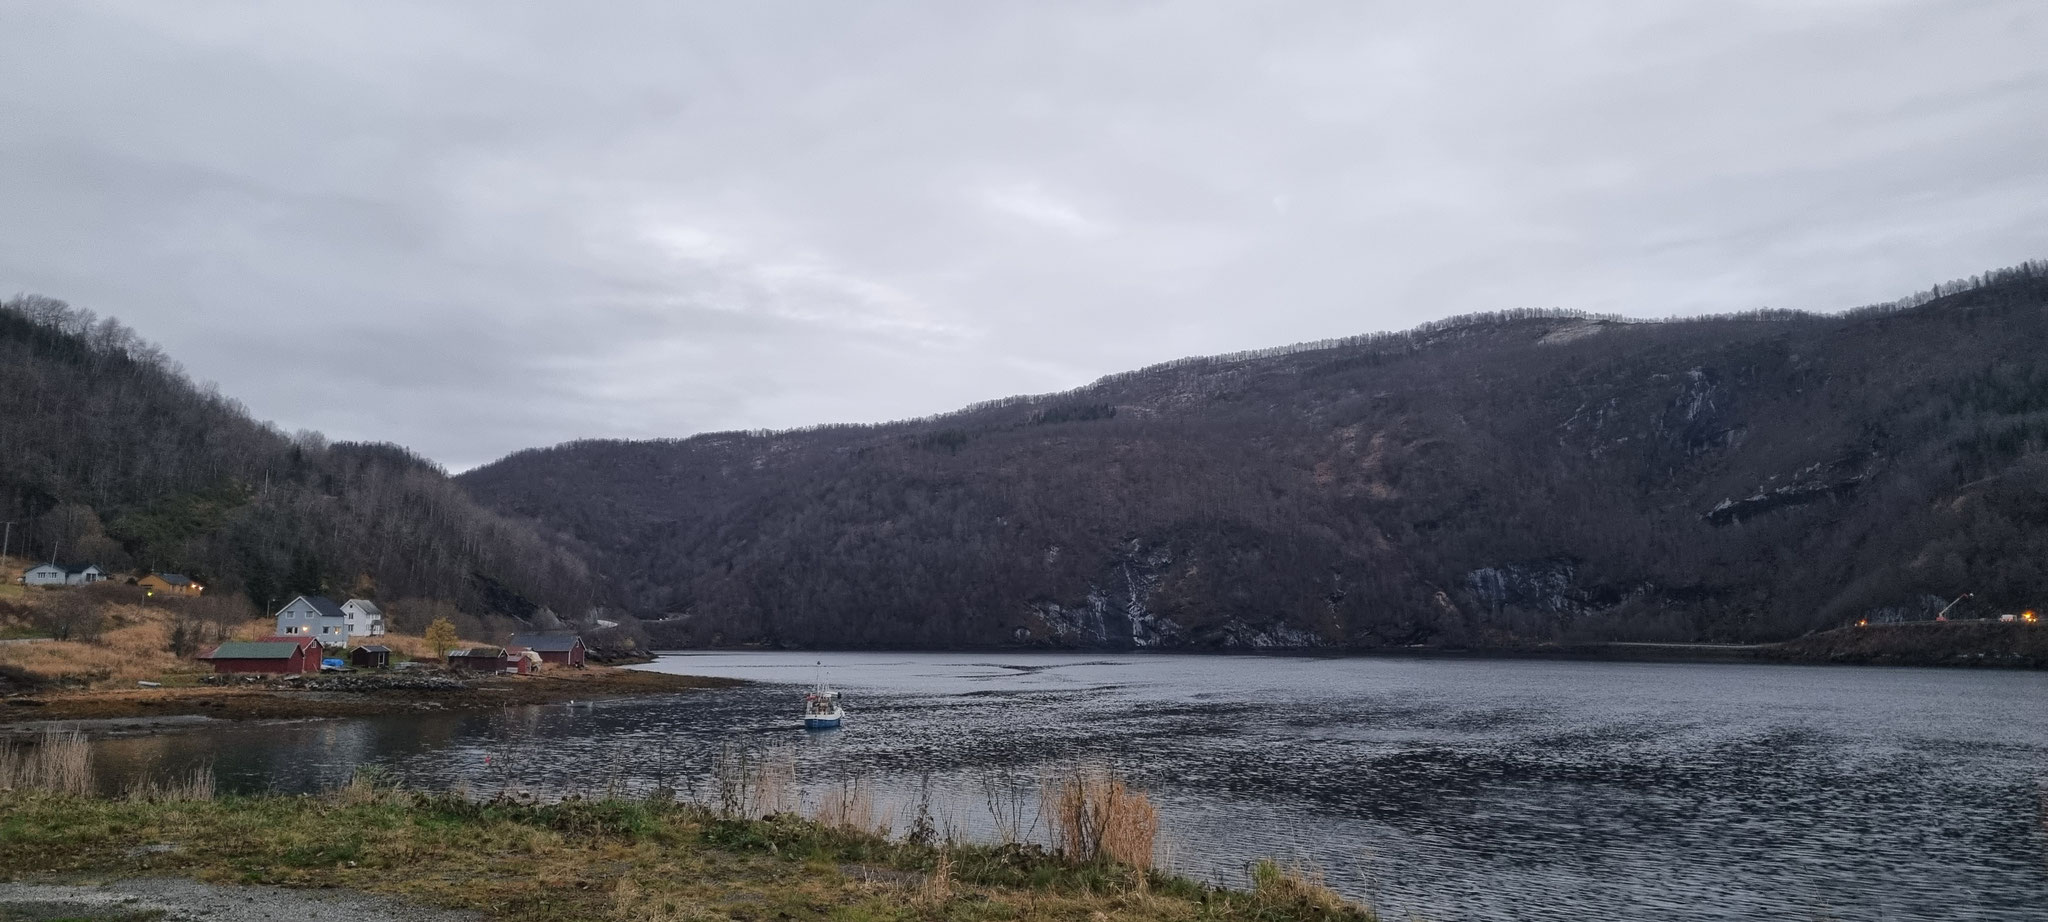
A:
(1448, 790)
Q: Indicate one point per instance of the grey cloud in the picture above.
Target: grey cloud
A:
(474, 227)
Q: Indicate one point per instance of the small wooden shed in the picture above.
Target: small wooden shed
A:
(370, 656)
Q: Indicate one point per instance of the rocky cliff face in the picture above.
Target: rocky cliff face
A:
(1515, 477)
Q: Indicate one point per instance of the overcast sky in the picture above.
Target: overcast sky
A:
(476, 227)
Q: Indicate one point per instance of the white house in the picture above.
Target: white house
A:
(314, 616)
(365, 619)
(58, 574)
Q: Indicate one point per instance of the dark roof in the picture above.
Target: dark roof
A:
(175, 579)
(545, 643)
(70, 569)
(375, 648)
(322, 604)
(477, 651)
(255, 649)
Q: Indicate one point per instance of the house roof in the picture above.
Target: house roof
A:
(321, 604)
(255, 649)
(368, 607)
(375, 648)
(546, 643)
(70, 569)
(175, 579)
(477, 651)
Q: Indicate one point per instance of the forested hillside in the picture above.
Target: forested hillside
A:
(109, 454)
(1496, 479)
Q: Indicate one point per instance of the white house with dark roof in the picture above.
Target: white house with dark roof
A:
(365, 619)
(314, 616)
(62, 574)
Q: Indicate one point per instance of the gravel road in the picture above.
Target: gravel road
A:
(169, 899)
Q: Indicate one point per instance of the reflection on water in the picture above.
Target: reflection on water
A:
(1449, 790)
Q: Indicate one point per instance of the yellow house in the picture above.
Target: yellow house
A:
(169, 584)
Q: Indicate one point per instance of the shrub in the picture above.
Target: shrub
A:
(1094, 816)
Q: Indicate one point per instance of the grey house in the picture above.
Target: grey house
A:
(62, 574)
(314, 616)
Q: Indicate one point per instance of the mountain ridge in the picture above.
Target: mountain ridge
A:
(1485, 479)
(109, 453)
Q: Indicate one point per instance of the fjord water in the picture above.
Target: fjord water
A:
(1442, 789)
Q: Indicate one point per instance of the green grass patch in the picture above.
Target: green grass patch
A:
(610, 859)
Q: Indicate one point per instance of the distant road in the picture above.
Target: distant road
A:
(1687, 646)
(26, 640)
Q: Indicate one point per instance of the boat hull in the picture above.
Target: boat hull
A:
(822, 723)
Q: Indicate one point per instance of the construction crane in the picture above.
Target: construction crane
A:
(1943, 614)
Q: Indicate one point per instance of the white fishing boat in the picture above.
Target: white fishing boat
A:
(821, 709)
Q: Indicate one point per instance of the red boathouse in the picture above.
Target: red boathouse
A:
(280, 655)
(563, 649)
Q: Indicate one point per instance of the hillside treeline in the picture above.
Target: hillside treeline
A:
(109, 454)
(1518, 477)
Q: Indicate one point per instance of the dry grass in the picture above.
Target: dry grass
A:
(750, 785)
(850, 807)
(134, 645)
(255, 629)
(1094, 816)
(59, 763)
(582, 860)
(194, 785)
(1301, 891)
(937, 889)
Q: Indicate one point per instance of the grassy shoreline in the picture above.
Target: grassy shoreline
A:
(607, 858)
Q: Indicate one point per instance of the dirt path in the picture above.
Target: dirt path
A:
(178, 900)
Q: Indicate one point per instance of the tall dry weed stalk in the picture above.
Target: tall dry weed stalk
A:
(937, 889)
(195, 785)
(850, 806)
(372, 784)
(1008, 804)
(751, 786)
(60, 763)
(1093, 815)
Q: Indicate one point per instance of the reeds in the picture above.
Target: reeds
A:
(195, 785)
(850, 807)
(369, 784)
(750, 786)
(59, 763)
(937, 888)
(1092, 815)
